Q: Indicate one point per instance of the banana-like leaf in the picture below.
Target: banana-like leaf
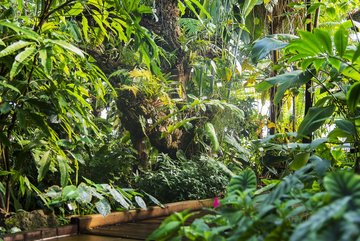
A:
(287, 81)
(315, 118)
(263, 47)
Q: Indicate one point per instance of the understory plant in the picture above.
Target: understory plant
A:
(89, 197)
(310, 204)
(184, 179)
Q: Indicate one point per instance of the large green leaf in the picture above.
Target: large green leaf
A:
(75, 10)
(85, 194)
(356, 54)
(324, 39)
(315, 118)
(117, 196)
(347, 126)
(245, 180)
(343, 184)
(341, 40)
(287, 81)
(14, 47)
(165, 231)
(264, 46)
(299, 160)
(248, 7)
(309, 230)
(353, 97)
(103, 207)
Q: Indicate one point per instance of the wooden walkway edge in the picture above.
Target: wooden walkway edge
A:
(133, 224)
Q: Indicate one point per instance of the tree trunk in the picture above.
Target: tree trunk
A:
(168, 28)
(308, 95)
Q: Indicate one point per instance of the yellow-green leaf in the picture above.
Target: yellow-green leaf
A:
(20, 60)
(14, 47)
(65, 45)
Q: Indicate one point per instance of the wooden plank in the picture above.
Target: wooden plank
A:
(92, 221)
(85, 237)
(127, 230)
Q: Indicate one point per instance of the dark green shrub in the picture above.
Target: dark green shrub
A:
(183, 179)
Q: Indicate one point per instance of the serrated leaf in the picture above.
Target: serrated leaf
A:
(63, 169)
(14, 47)
(103, 207)
(44, 165)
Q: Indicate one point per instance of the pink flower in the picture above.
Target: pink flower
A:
(216, 202)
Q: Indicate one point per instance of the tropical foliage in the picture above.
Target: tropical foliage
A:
(172, 99)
